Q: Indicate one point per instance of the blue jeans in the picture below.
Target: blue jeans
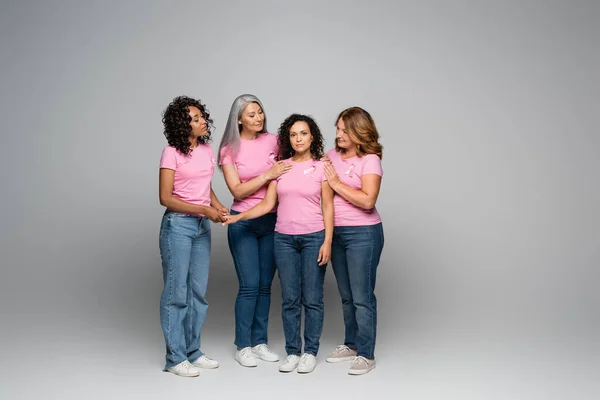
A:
(251, 246)
(185, 252)
(301, 281)
(355, 253)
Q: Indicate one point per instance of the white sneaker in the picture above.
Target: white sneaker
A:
(246, 357)
(290, 364)
(341, 353)
(361, 366)
(206, 363)
(263, 352)
(184, 368)
(307, 364)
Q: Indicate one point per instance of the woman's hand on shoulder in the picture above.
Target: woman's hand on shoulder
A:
(278, 169)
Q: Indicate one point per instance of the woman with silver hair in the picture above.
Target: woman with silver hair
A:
(248, 158)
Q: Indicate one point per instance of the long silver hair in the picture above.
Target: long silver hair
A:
(231, 136)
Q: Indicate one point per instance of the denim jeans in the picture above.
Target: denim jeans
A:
(355, 253)
(185, 252)
(251, 246)
(301, 281)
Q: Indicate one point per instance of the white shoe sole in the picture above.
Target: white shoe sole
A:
(287, 369)
(361, 371)
(246, 365)
(206, 366)
(193, 375)
(266, 359)
(302, 371)
(339, 359)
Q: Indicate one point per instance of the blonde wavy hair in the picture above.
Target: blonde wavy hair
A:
(362, 131)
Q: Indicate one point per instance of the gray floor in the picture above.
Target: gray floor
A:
(100, 354)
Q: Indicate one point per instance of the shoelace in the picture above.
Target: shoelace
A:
(187, 365)
(264, 349)
(245, 352)
(341, 348)
(290, 359)
(205, 359)
(360, 360)
(304, 359)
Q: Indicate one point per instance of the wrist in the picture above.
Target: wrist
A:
(204, 209)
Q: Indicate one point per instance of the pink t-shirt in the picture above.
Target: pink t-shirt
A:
(253, 158)
(350, 172)
(299, 196)
(193, 173)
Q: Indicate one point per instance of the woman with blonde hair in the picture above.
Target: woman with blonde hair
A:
(354, 173)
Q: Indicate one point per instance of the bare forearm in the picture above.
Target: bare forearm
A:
(328, 222)
(258, 210)
(243, 190)
(356, 197)
(214, 201)
(176, 204)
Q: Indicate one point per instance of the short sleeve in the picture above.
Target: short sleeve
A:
(168, 159)
(323, 177)
(274, 145)
(372, 165)
(225, 156)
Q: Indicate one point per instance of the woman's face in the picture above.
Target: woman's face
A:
(300, 137)
(198, 123)
(252, 119)
(341, 136)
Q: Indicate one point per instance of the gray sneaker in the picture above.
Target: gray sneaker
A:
(341, 353)
(361, 366)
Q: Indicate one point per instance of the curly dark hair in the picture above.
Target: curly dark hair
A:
(283, 137)
(176, 120)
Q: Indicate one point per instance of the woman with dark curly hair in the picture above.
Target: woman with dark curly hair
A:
(354, 172)
(303, 234)
(248, 157)
(186, 169)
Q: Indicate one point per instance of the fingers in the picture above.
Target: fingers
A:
(229, 220)
(281, 168)
(330, 173)
(324, 257)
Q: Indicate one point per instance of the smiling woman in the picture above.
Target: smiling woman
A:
(354, 173)
(248, 157)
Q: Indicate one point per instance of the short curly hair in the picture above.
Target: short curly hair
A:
(283, 137)
(176, 120)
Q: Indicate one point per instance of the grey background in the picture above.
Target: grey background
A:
(489, 115)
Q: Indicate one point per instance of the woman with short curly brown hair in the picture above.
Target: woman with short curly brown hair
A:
(186, 170)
